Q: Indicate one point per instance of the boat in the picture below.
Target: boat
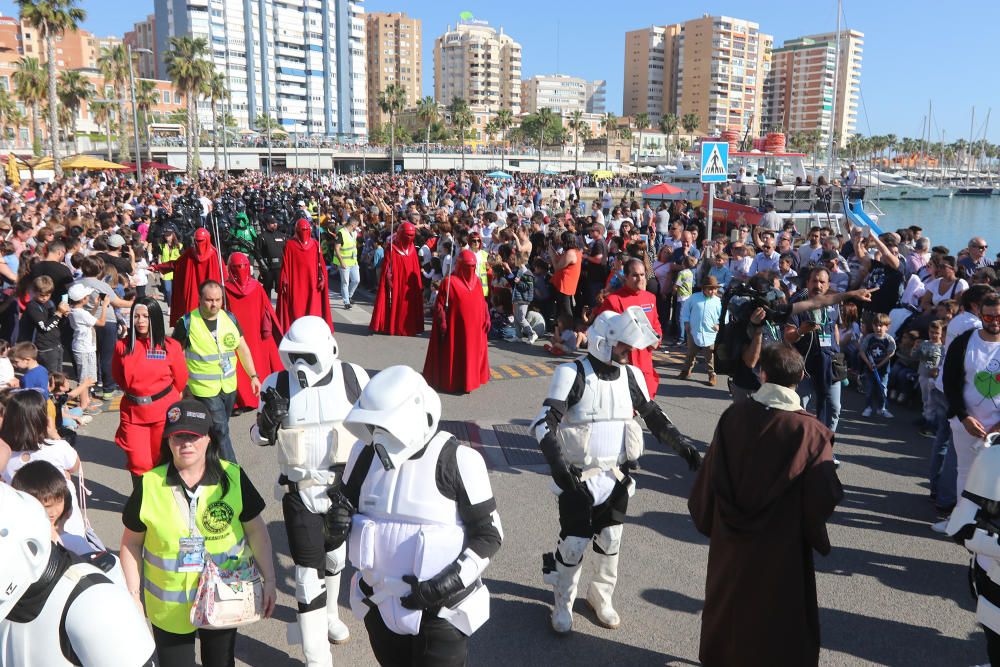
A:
(973, 192)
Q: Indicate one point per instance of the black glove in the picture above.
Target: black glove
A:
(665, 431)
(273, 414)
(565, 476)
(435, 591)
(628, 467)
(337, 520)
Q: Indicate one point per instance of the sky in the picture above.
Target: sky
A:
(914, 52)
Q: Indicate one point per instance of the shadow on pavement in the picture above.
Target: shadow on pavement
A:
(672, 600)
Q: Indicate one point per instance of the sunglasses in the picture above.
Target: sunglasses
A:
(990, 319)
(979, 247)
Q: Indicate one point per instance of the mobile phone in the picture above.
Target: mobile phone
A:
(65, 298)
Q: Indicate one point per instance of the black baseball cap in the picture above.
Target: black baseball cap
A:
(188, 416)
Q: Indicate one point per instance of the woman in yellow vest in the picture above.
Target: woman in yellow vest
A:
(195, 506)
(170, 249)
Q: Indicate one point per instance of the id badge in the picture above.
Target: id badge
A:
(192, 554)
(825, 340)
(226, 365)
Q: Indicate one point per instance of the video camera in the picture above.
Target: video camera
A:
(744, 298)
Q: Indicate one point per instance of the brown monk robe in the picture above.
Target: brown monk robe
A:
(763, 496)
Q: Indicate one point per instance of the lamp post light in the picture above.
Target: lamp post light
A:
(135, 111)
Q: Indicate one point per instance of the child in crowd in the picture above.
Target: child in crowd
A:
(683, 289)
(47, 484)
(83, 317)
(7, 378)
(40, 324)
(701, 315)
(34, 375)
(930, 354)
(849, 328)
(903, 378)
(567, 338)
(720, 271)
(787, 275)
(522, 286)
(62, 393)
(876, 350)
(140, 277)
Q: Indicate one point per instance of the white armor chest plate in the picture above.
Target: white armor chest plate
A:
(316, 415)
(37, 643)
(594, 430)
(602, 400)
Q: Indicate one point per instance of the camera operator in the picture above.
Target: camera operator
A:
(764, 326)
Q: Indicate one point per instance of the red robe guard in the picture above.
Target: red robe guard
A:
(252, 309)
(198, 263)
(399, 304)
(457, 359)
(302, 285)
(617, 302)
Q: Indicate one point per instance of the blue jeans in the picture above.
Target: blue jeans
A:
(349, 279)
(944, 464)
(220, 407)
(107, 337)
(827, 406)
(877, 395)
(168, 291)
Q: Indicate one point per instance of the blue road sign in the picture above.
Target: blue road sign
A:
(714, 162)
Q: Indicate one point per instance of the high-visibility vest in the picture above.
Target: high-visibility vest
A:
(169, 593)
(482, 270)
(348, 248)
(168, 254)
(206, 354)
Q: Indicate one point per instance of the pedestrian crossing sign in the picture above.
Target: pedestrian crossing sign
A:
(714, 162)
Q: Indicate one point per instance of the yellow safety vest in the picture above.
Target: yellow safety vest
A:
(207, 354)
(168, 254)
(348, 248)
(166, 515)
(481, 270)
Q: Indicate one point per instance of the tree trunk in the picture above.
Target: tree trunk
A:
(540, 140)
(576, 159)
(50, 50)
(125, 153)
(392, 144)
(36, 141)
(149, 143)
(503, 148)
(427, 146)
(189, 149)
(215, 137)
(196, 135)
(461, 144)
(107, 126)
(72, 128)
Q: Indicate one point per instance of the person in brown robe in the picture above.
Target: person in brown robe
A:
(763, 496)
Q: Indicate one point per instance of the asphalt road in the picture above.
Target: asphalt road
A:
(891, 593)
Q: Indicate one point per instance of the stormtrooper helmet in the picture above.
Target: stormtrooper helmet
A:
(308, 350)
(25, 545)
(397, 414)
(608, 329)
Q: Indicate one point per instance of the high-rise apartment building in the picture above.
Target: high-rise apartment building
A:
(143, 36)
(478, 64)
(301, 64)
(394, 56)
(74, 48)
(561, 93)
(713, 67)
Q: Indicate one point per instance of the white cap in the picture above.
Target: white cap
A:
(79, 292)
(116, 241)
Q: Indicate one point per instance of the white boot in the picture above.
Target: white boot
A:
(564, 581)
(314, 642)
(602, 586)
(337, 631)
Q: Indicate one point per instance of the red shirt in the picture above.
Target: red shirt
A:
(145, 373)
(617, 302)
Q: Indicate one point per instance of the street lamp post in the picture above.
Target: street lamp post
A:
(135, 111)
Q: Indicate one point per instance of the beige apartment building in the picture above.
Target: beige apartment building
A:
(478, 64)
(563, 94)
(143, 36)
(74, 48)
(713, 67)
(393, 43)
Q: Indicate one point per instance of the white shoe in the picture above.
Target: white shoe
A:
(867, 412)
(532, 338)
(336, 630)
(85, 419)
(886, 414)
(940, 526)
(314, 642)
(564, 581)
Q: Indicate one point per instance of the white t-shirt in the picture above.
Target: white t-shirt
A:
(982, 367)
(953, 292)
(663, 222)
(958, 326)
(83, 323)
(62, 456)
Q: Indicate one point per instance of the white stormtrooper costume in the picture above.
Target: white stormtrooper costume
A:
(591, 440)
(975, 524)
(301, 411)
(424, 528)
(55, 608)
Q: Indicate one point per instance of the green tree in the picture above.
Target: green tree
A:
(542, 127)
(217, 91)
(7, 111)
(504, 121)
(74, 90)
(147, 96)
(576, 123)
(610, 125)
(103, 112)
(264, 122)
(188, 69)
(391, 101)
(52, 18)
(668, 125)
(461, 119)
(427, 113)
(690, 122)
(114, 66)
(641, 122)
(31, 86)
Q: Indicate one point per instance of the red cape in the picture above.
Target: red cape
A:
(252, 309)
(190, 271)
(617, 302)
(302, 286)
(400, 285)
(457, 359)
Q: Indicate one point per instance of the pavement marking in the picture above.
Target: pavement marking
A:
(528, 370)
(509, 370)
(495, 374)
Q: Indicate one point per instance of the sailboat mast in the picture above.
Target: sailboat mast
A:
(832, 155)
(968, 150)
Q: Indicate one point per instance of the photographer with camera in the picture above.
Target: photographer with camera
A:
(758, 312)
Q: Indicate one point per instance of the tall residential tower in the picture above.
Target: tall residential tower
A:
(478, 64)
(394, 45)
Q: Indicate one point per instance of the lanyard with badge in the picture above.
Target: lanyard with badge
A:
(821, 317)
(192, 548)
(224, 362)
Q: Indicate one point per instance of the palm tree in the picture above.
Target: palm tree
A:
(668, 125)
(114, 66)
(641, 123)
(74, 90)
(7, 110)
(504, 121)
(187, 67)
(146, 97)
(542, 126)
(17, 120)
(391, 101)
(427, 112)
(30, 86)
(461, 118)
(102, 112)
(576, 123)
(217, 91)
(690, 122)
(610, 125)
(52, 18)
